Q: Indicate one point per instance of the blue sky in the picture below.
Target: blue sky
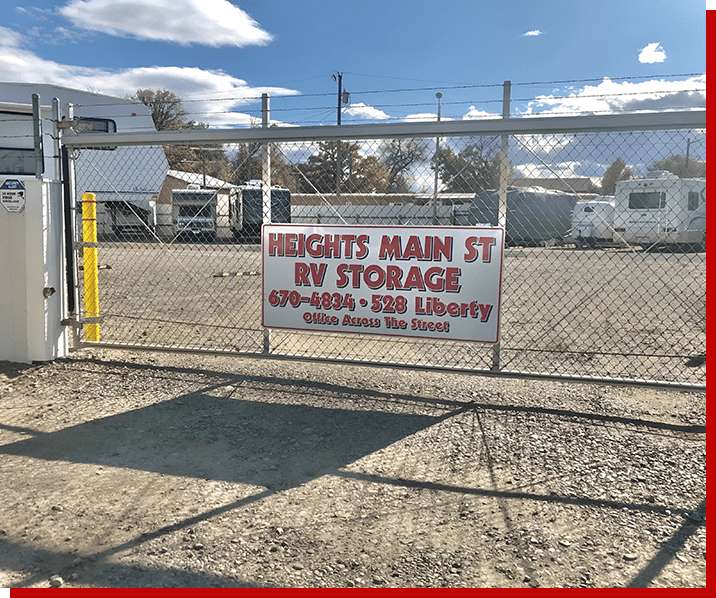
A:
(394, 55)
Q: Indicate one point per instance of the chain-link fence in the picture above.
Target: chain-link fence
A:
(604, 265)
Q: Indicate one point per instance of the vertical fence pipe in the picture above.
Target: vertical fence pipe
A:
(71, 232)
(266, 186)
(56, 136)
(91, 273)
(437, 167)
(266, 160)
(502, 210)
(37, 135)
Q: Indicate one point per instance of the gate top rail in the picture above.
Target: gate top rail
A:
(498, 126)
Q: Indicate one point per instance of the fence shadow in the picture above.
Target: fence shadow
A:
(253, 430)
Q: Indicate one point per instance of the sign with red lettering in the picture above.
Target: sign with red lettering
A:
(429, 282)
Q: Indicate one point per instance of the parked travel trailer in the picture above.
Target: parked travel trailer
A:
(697, 227)
(132, 217)
(246, 212)
(194, 213)
(125, 180)
(661, 210)
(535, 216)
(592, 222)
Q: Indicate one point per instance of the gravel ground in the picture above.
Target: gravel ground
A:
(139, 469)
(604, 313)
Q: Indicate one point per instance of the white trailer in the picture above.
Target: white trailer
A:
(661, 210)
(128, 216)
(125, 180)
(593, 222)
(194, 213)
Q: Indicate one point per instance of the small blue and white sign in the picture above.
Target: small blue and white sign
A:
(12, 195)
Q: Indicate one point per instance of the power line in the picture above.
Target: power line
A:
(413, 89)
(544, 99)
(538, 99)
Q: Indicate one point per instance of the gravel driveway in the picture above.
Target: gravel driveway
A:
(140, 469)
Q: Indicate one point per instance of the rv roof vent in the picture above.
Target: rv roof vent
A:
(193, 187)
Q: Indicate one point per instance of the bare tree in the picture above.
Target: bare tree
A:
(168, 113)
(679, 166)
(399, 156)
(167, 109)
(475, 168)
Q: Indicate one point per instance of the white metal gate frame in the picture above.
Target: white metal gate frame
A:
(505, 128)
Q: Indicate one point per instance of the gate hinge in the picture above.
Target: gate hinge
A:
(68, 124)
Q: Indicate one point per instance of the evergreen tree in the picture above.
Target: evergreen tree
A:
(616, 171)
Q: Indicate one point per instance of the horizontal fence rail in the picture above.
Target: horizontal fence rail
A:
(692, 119)
(603, 275)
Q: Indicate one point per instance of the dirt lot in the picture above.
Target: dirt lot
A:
(603, 313)
(124, 469)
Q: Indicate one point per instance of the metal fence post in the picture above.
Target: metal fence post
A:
(72, 232)
(37, 135)
(437, 167)
(266, 186)
(502, 210)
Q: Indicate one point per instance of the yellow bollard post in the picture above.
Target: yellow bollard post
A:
(91, 267)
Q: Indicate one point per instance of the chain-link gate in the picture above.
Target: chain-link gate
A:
(601, 281)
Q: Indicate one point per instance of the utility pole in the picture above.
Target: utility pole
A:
(338, 77)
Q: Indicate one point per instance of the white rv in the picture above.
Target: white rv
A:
(194, 213)
(592, 222)
(203, 213)
(662, 209)
(125, 180)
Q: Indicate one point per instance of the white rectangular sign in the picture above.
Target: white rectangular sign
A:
(12, 195)
(429, 281)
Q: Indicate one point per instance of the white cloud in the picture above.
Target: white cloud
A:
(624, 96)
(10, 38)
(35, 11)
(543, 144)
(196, 86)
(533, 33)
(553, 170)
(206, 22)
(421, 116)
(652, 53)
(475, 114)
(365, 111)
(424, 116)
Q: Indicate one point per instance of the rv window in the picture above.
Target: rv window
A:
(17, 154)
(693, 200)
(17, 161)
(588, 209)
(195, 210)
(87, 124)
(647, 200)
